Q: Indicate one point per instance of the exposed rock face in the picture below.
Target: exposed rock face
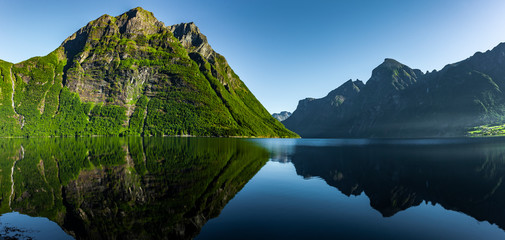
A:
(131, 74)
(95, 51)
(281, 116)
(201, 52)
(96, 73)
(192, 39)
(398, 101)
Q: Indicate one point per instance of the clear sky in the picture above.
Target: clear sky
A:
(283, 50)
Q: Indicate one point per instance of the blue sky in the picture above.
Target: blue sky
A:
(284, 50)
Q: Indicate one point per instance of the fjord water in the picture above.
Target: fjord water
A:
(215, 188)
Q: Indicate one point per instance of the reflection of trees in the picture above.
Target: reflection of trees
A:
(464, 178)
(127, 187)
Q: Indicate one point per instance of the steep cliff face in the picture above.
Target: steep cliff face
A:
(101, 56)
(398, 101)
(131, 74)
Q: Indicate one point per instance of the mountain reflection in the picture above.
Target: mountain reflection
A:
(464, 177)
(125, 188)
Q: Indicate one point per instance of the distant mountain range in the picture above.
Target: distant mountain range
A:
(398, 101)
(131, 75)
(282, 115)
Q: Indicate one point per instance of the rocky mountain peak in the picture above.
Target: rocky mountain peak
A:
(391, 63)
(282, 115)
(192, 39)
(184, 28)
(389, 66)
(359, 83)
(200, 51)
(136, 22)
(139, 10)
(393, 74)
(139, 21)
(346, 90)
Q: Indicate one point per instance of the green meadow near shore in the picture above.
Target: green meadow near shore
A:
(131, 75)
(487, 130)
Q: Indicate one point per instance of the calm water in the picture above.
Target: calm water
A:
(207, 188)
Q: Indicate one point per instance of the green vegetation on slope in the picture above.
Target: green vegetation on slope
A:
(487, 131)
(128, 75)
(9, 120)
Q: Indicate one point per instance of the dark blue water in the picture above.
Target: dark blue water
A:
(421, 189)
(205, 188)
(19, 226)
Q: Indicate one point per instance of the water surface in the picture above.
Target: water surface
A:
(208, 188)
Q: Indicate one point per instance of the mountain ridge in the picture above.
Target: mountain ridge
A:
(130, 75)
(398, 101)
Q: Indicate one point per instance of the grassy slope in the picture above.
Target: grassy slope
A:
(9, 120)
(183, 100)
(487, 130)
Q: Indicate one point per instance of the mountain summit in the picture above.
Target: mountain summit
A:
(398, 101)
(131, 75)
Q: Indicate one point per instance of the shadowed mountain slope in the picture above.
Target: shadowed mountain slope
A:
(398, 101)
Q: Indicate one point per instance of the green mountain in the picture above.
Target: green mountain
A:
(130, 75)
(398, 101)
